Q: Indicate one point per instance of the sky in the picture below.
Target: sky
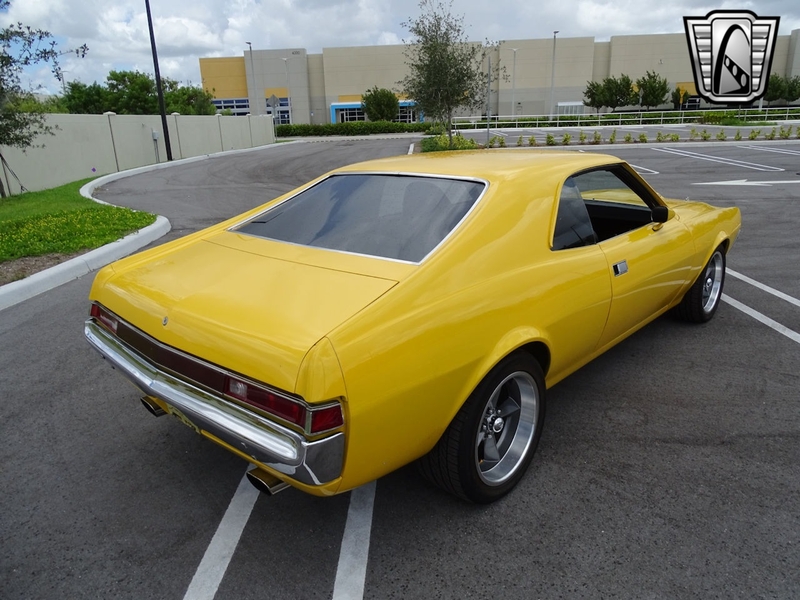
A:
(186, 30)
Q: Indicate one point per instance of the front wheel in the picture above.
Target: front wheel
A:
(491, 441)
(701, 301)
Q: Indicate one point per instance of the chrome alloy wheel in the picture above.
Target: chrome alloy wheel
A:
(712, 281)
(507, 428)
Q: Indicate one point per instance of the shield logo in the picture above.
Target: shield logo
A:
(731, 54)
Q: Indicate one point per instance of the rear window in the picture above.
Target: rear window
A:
(400, 217)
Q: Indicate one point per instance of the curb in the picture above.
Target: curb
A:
(43, 281)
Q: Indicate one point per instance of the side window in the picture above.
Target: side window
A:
(573, 224)
(614, 206)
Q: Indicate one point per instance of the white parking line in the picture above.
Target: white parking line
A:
(763, 287)
(766, 149)
(717, 159)
(643, 170)
(210, 571)
(783, 330)
(352, 570)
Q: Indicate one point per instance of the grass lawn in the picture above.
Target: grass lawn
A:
(61, 221)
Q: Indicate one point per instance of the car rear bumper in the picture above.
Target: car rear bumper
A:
(287, 452)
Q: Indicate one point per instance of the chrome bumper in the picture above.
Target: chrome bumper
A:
(288, 452)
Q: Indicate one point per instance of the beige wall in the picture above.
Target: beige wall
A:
(92, 145)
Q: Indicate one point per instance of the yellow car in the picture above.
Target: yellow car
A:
(406, 308)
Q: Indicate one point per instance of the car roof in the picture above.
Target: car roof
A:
(491, 165)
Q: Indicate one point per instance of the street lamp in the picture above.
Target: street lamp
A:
(288, 91)
(514, 84)
(553, 74)
(257, 110)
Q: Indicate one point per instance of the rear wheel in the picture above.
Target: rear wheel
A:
(491, 441)
(701, 301)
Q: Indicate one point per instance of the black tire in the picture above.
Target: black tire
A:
(701, 301)
(490, 443)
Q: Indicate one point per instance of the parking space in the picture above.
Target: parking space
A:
(667, 467)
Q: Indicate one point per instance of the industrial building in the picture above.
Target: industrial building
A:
(543, 76)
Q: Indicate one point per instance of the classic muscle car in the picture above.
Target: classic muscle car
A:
(405, 309)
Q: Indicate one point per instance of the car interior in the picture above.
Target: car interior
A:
(595, 206)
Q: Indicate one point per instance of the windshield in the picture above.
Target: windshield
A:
(402, 217)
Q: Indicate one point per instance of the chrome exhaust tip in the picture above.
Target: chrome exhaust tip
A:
(153, 408)
(266, 482)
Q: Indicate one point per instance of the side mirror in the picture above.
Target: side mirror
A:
(661, 214)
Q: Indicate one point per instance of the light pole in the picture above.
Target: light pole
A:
(159, 89)
(553, 74)
(288, 91)
(253, 73)
(514, 84)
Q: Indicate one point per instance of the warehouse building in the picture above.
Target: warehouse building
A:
(543, 76)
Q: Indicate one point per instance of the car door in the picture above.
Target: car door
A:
(647, 262)
(580, 294)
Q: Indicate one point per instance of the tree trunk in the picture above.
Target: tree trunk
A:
(449, 128)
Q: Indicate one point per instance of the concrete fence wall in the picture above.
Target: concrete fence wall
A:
(88, 145)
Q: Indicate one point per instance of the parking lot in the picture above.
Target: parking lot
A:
(668, 467)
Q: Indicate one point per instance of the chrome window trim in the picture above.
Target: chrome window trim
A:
(232, 228)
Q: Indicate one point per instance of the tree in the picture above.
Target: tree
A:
(131, 93)
(792, 89)
(776, 88)
(83, 99)
(678, 97)
(619, 92)
(20, 47)
(445, 70)
(380, 104)
(653, 90)
(595, 95)
(188, 100)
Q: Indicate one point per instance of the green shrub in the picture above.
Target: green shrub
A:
(675, 137)
(613, 138)
(643, 138)
(501, 141)
(597, 138)
(770, 135)
(738, 136)
(705, 136)
(440, 143)
(785, 133)
(721, 135)
(531, 141)
(754, 133)
(693, 134)
(566, 139)
(351, 128)
(628, 138)
(520, 141)
(582, 137)
(550, 140)
(659, 137)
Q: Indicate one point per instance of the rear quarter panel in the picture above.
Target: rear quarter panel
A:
(412, 358)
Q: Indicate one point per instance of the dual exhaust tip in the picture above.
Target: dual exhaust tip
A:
(261, 480)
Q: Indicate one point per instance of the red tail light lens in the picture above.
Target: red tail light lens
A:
(105, 317)
(293, 411)
(326, 418)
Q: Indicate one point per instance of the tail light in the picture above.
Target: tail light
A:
(311, 419)
(106, 318)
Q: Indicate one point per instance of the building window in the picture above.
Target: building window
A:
(283, 112)
(407, 114)
(238, 106)
(346, 115)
